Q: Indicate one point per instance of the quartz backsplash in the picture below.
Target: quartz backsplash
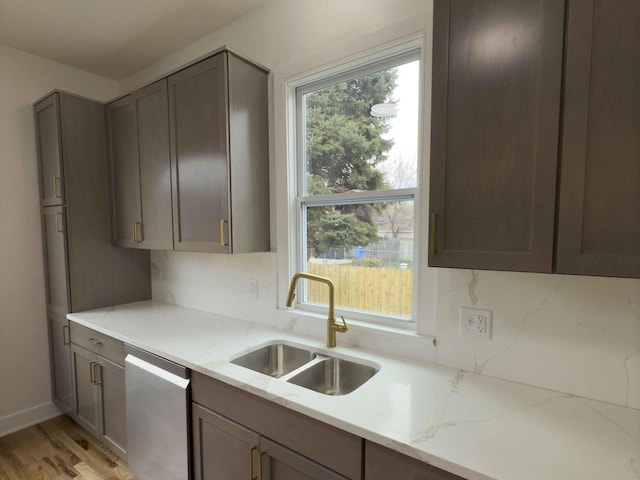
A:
(574, 334)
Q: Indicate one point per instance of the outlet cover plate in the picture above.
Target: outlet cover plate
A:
(475, 322)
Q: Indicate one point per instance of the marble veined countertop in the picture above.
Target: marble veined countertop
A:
(472, 425)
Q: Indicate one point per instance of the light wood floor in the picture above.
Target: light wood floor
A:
(58, 450)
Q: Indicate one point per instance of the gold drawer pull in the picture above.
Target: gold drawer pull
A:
(222, 242)
(95, 341)
(253, 449)
(95, 373)
(137, 238)
(56, 194)
(59, 222)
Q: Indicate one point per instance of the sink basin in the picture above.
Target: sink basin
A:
(275, 360)
(334, 376)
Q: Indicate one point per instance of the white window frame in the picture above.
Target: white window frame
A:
(367, 64)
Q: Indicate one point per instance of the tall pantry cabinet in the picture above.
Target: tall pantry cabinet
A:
(83, 270)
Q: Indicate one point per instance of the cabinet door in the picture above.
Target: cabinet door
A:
(86, 410)
(199, 160)
(280, 463)
(113, 418)
(48, 144)
(222, 449)
(599, 214)
(60, 354)
(494, 138)
(55, 259)
(122, 141)
(383, 464)
(152, 122)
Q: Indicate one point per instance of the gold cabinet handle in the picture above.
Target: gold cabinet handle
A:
(66, 339)
(96, 341)
(91, 373)
(262, 454)
(133, 232)
(137, 238)
(95, 373)
(56, 180)
(251, 450)
(59, 222)
(222, 242)
(432, 233)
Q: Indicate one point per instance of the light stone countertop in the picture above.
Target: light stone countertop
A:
(475, 426)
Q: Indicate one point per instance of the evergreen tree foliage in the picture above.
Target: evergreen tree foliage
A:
(344, 145)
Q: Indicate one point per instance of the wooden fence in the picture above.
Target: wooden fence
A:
(377, 289)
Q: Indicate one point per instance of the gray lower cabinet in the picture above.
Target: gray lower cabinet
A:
(222, 449)
(261, 436)
(99, 386)
(384, 464)
(225, 450)
(140, 169)
(219, 156)
(280, 463)
(62, 385)
(86, 394)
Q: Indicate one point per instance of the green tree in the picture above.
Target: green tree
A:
(344, 145)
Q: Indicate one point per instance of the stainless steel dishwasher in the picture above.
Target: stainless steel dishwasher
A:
(158, 398)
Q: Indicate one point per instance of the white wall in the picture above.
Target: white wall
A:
(579, 335)
(24, 362)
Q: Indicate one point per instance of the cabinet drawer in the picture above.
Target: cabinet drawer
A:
(97, 342)
(382, 463)
(327, 445)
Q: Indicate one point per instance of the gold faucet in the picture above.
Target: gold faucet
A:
(332, 325)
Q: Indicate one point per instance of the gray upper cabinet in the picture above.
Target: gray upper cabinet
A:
(219, 156)
(49, 150)
(83, 269)
(151, 107)
(138, 141)
(599, 214)
(125, 172)
(496, 157)
(494, 139)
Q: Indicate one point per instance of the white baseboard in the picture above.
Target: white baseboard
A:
(26, 418)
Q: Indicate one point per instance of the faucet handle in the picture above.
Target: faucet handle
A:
(341, 327)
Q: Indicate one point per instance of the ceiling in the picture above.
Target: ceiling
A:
(113, 38)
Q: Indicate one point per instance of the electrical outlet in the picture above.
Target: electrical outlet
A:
(253, 288)
(475, 322)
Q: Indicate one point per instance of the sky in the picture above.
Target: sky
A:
(404, 126)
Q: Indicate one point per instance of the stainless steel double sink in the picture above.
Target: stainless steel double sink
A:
(307, 368)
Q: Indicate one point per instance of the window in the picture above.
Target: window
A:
(357, 157)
